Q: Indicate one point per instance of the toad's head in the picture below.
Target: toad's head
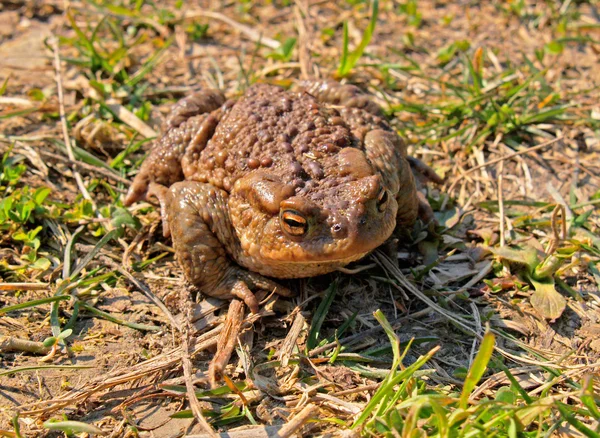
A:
(309, 226)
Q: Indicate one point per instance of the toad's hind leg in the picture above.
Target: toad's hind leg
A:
(204, 239)
(188, 128)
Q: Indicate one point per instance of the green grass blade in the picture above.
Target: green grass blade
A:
(116, 320)
(543, 116)
(349, 61)
(474, 75)
(107, 238)
(74, 314)
(478, 367)
(569, 417)
(18, 113)
(131, 148)
(367, 35)
(393, 337)
(84, 39)
(344, 59)
(34, 303)
(149, 64)
(69, 249)
(44, 367)
(587, 398)
(83, 155)
(515, 383)
(319, 317)
(71, 427)
(16, 426)
(513, 93)
(4, 85)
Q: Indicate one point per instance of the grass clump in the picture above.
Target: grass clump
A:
(406, 403)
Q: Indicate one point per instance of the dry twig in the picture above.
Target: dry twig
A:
(189, 386)
(63, 121)
(298, 421)
(245, 30)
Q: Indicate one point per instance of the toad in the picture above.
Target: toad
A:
(278, 184)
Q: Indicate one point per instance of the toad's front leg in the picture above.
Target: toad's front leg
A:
(198, 220)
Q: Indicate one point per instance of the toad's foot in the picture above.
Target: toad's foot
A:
(239, 283)
(203, 237)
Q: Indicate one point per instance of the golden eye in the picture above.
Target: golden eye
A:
(382, 200)
(294, 223)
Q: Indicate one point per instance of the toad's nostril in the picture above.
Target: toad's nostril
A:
(339, 231)
(382, 200)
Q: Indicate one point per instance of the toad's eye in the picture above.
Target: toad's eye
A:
(382, 200)
(294, 223)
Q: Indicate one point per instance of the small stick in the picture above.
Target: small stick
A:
(105, 172)
(303, 39)
(189, 386)
(4, 100)
(501, 204)
(290, 340)
(357, 389)
(298, 421)
(23, 286)
(10, 343)
(248, 31)
(132, 120)
(63, 121)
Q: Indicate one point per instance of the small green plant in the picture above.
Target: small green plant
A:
(11, 170)
(541, 269)
(111, 69)
(538, 270)
(197, 31)
(410, 9)
(54, 343)
(22, 211)
(447, 53)
(285, 51)
(517, 7)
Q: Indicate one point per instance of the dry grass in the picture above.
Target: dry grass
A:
(488, 325)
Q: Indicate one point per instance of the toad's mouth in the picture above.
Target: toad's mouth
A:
(327, 252)
(333, 260)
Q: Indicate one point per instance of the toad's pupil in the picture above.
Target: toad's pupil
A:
(294, 223)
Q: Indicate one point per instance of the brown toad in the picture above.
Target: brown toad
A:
(277, 184)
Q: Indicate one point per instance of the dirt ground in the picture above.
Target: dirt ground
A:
(129, 382)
